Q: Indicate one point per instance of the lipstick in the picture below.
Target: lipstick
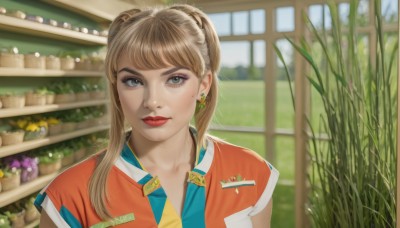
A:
(155, 121)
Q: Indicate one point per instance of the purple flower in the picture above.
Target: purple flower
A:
(14, 164)
(29, 168)
(27, 162)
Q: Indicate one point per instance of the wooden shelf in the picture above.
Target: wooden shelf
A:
(26, 72)
(33, 144)
(84, 8)
(10, 112)
(37, 29)
(25, 189)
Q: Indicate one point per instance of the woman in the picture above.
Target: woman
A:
(162, 69)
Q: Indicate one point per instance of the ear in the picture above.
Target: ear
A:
(205, 84)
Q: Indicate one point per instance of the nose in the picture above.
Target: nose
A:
(152, 99)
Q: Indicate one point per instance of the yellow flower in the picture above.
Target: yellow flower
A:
(32, 127)
(21, 123)
(53, 121)
(42, 123)
(1, 173)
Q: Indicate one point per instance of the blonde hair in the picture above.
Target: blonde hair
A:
(179, 35)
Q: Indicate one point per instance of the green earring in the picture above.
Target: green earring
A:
(200, 104)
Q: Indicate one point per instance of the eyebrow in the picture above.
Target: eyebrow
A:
(172, 70)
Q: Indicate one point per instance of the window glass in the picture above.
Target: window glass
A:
(284, 106)
(284, 18)
(257, 21)
(390, 11)
(240, 23)
(222, 23)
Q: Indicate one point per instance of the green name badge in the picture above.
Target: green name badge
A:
(115, 221)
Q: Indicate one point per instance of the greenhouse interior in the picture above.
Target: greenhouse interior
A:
(311, 86)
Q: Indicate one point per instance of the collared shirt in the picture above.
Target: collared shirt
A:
(227, 186)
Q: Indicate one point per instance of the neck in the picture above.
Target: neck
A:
(168, 154)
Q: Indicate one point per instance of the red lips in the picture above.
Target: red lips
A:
(155, 121)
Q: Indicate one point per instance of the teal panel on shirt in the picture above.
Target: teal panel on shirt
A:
(201, 155)
(39, 200)
(193, 215)
(128, 156)
(157, 201)
(69, 218)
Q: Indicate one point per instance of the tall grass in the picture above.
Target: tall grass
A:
(352, 175)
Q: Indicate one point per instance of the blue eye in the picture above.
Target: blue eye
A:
(132, 82)
(177, 80)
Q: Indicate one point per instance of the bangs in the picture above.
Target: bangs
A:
(157, 42)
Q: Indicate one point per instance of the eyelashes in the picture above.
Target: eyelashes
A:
(131, 81)
(172, 81)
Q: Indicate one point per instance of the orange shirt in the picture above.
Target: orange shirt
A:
(227, 186)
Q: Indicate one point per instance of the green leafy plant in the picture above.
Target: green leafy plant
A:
(61, 87)
(49, 156)
(352, 176)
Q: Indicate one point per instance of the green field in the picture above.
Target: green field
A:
(241, 103)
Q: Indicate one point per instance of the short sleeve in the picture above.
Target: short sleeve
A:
(48, 201)
(269, 177)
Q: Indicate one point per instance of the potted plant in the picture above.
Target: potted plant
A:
(97, 62)
(69, 121)
(97, 90)
(31, 212)
(49, 161)
(79, 148)
(37, 97)
(82, 63)
(12, 176)
(53, 62)
(55, 125)
(35, 130)
(29, 168)
(67, 62)
(82, 91)
(11, 137)
(68, 154)
(50, 95)
(64, 92)
(12, 100)
(16, 214)
(4, 222)
(34, 60)
(11, 58)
